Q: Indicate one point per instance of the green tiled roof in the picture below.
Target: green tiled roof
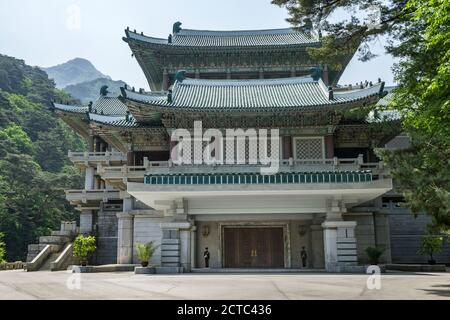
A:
(104, 105)
(252, 95)
(256, 178)
(109, 105)
(70, 108)
(247, 38)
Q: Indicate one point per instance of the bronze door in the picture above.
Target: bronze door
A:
(254, 248)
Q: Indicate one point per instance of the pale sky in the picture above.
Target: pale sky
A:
(49, 32)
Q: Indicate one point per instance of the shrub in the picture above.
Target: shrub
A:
(374, 254)
(2, 250)
(145, 251)
(431, 244)
(84, 246)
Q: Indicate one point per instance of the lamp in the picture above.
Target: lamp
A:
(205, 230)
(301, 230)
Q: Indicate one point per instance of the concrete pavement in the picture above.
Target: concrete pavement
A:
(63, 285)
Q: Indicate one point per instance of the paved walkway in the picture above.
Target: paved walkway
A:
(53, 285)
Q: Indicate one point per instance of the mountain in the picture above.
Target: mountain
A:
(89, 90)
(34, 167)
(73, 72)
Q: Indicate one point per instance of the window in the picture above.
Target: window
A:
(309, 148)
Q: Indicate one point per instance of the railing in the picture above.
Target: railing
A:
(96, 156)
(92, 195)
(291, 165)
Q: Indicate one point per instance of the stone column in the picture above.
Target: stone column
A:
(317, 246)
(176, 246)
(193, 246)
(261, 73)
(339, 245)
(86, 222)
(89, 178)
(125, 234)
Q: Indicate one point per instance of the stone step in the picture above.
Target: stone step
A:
(170, 242)
(63, 233)
(58, 240)
(47, 264)
(35, 249)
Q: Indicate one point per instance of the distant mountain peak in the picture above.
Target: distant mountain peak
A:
(75, 71)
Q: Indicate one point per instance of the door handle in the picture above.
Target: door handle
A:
(254, 253)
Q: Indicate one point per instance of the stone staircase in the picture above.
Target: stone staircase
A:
(46, 266)
(52, 249)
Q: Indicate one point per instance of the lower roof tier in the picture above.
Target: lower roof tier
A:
(287, 94)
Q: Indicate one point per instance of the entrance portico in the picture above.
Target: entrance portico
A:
(265, 226)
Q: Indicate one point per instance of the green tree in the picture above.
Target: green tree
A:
(34, 169)
(2, 249)
(83, 246)
(419, 35)
(14, 140)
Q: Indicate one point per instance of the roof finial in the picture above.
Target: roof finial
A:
(169, 39)
(104, 91)
(176, 27)
(169, 97)
(180, 75)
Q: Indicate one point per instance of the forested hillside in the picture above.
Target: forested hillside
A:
(34, 168)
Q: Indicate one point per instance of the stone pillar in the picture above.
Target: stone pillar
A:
(317, 251)
(339, 245)
(228, 74)
(89, 178)
(86, 222)
(197, 74)
(261, 73)
(193, 246)
(176, 246)
(293, 74)
(125, 234)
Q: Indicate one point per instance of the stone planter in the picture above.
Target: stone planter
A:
(144, 270)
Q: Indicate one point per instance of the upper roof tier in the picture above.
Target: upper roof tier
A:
(245, 38)
(288, 94)
(245, 54)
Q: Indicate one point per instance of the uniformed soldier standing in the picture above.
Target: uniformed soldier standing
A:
(206, 255)
(304, 256)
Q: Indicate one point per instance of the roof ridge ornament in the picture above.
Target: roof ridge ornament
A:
(176, 27)
(316, 73)
(104, 91)
(180, 75)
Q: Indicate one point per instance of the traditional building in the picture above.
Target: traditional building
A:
(325, 197)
